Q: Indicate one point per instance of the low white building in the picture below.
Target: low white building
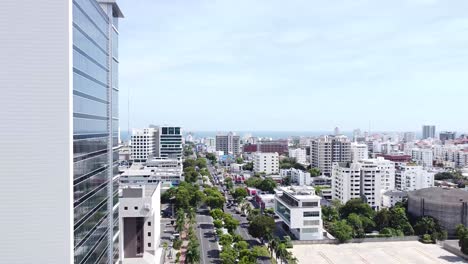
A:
(298, 177)
(423, 156)
(299, 208)
(140, 224)
(413, 177)
(391, 197)
(154, 171)
(368, 179)
(267, 163)
(359, 151)
(300, 154)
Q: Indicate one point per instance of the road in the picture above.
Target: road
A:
(206, 235)
(242, 228)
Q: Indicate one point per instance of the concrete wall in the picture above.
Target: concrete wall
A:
(356, 240)
(36, 222)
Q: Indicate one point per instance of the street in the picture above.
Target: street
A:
(206, 235)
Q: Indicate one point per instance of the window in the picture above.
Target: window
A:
(136, 207)
(310, 204)
(149, 244)
(309, 230)
(311, 213)
(311, 222)
(125, 208)
(149, 233)
(149, 223)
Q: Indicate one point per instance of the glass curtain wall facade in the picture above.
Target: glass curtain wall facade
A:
(95, 131)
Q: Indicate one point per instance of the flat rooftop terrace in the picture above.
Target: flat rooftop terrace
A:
(407, 252)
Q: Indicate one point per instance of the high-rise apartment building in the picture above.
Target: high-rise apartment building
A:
(409, 137)
(423, 156)
(144, 144)
(326, 150)
(367, 179)
(410, 177)
(267, 163)
(300, 154)
(61, 86)
(229, 144)
(428, 131)
(359, 151)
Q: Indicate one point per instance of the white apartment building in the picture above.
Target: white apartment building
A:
(326, 150)
(144, 144)
(300, 154)
(140, 224)
(359, 151)
(299, 208)
(412, 177)
(366, 179)
(391, 197)
(423, 156)
(298, 177)
(267, 163)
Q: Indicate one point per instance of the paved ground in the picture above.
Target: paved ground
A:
(410, 252)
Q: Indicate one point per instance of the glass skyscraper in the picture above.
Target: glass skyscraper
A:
(95, 131)
(59, 106)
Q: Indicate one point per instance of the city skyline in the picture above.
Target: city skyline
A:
(305, 65)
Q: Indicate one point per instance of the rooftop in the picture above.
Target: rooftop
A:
(440, 194)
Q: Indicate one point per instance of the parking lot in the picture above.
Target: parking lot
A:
(408, 252)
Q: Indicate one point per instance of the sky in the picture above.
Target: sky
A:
(294, 65)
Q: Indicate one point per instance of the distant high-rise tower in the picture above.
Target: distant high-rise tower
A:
(229, 144)
(447, 135)
(337, 131)
(60, 96)
(428, 131)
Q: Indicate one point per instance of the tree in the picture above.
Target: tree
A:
(239, 194)
(262, 227)
(330, 214)
(341, 231)
(189, 163)
(355, 222)
(225, 240)
(287, 180)
(253, 182)
(357, 206)
(230, 223)
(211, 157)
(200, 163)
(193, 252)
(241, 245)
(218, 223)
(217, 213)
(248, 166)
(267, 185)
(281, 252)
(228, 255)
(239, 160)
(314, 172)
(260, 251)
(182, 198)
(180, 220)
(426, 225)
(382, 219)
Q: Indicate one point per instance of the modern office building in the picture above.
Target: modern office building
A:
(326, 150)
(447, 135)
(267, 163)
(229, 144)
(170, 142)
(300, 154)
(271, 146)
(367, 179)
(144, 144)
(359, 151)
(298, 177)
(411, 177)
(140, 224)
(60, 96)
(299, 208)
(391, 197)
(428, 132)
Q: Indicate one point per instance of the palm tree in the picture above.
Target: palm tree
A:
(281, 252)
(191, 215)
(292, 260)
(193, 252)
(180, 221)
(273, 246)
